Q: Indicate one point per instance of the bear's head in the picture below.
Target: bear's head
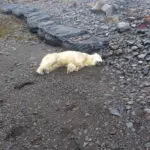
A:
(96, 58)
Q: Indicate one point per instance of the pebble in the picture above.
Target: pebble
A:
(118, 52)
(146, 42)
(128, 107)
(130, 102)
(123, 26)
(130, 42)
(147, 110)
(108, 9)
(147, 57)
(129, 125)
(134, 48)
(114, 112)
(113, 45)
(145, 71)
(147, 145)
(141, 56)
(85, 144)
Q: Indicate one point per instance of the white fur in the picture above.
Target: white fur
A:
(73, 60)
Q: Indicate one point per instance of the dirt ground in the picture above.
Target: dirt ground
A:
(60, 111)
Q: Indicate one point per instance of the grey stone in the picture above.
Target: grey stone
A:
(134, 48)
(147, 110)
(145, 71)
(147, 145)
(128, 107)
(113, 45)
(107, 9)
(123, 26)
(130, 102)
(129, 125)
(146, 41)
(130, 42)
(141, 56)
(115, 112)
(147, 57)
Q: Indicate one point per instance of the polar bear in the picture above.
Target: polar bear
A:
(73, 60)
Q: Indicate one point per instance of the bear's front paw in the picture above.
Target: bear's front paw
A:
(40, 71)
(71, 68)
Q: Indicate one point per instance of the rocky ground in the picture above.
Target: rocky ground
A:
(100, 108)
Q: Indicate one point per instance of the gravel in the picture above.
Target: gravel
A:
(103, 107)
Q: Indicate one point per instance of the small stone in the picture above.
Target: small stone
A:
(87, 114)
(135, 53)
(130, 42)
(141, 56)
(129, 125)
(107, 9)
(147, 110)
(128, 107)
(118, 52)
(133, 25)
(113, 45)
(140, 62)
(114, 112)
(139, 45)
(131, 18)
(134, 48)
(123, 26)
(146, 42)
(147, 57)
(145, 71)
(147, 145)
(130, 102)
(85, 144)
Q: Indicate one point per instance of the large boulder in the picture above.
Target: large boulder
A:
(56, 34)
(90, 45)
(33, 22)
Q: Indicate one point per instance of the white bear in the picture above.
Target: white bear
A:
(73, 60)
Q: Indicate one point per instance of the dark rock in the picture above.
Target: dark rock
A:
(88, 45)
(56, 34)
(34, 22)
(15, 132)
(145, 71)
(147, 57)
